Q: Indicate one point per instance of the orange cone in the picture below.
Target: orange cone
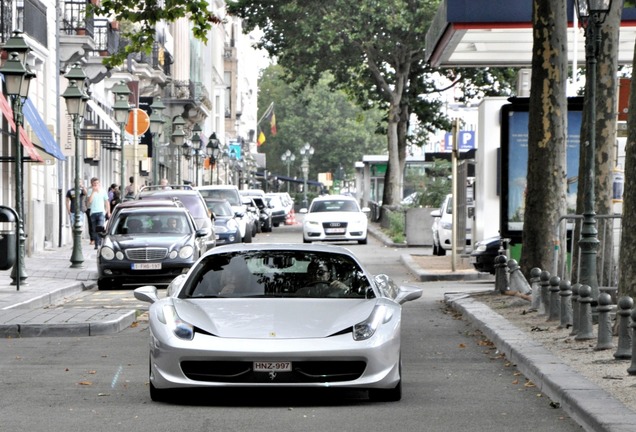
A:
(291, 218)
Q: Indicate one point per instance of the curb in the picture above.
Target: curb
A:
(54, 296)
(588, 404)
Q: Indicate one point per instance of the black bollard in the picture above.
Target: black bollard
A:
(555, 303)
(544, 307)
(501, 274)
(585, 314)
(624, 350)
(604, 322)
(632, 368)
(566, 304)
(575, 309)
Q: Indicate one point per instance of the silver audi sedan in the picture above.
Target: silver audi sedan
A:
(285, 315)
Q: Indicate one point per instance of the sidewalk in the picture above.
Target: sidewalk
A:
(27, 312)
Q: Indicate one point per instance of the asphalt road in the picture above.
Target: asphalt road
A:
(453, 380)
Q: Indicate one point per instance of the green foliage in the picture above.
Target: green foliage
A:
(146, 14)
(340, 132)
(433, 188)
(396, 226)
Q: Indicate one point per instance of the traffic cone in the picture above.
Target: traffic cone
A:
(291, 218)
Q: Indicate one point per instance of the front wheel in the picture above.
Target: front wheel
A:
(248, 235)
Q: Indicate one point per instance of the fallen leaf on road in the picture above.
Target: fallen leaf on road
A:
(86, 383)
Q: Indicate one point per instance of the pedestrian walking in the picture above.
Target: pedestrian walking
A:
(130, 191)
(100, 209)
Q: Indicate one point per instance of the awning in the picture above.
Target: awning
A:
(474, 33)
(107, 119)
(43, 133)
(24, 138)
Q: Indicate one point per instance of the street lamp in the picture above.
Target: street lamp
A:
(178, 137)
(306, 152)
(196, 149)
(17, 78)
(212, 150)
(591, 14)
(156, 127)
(288, 158)
(122, 109)
(75, 105)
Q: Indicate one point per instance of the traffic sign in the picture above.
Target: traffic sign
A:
(143, 122)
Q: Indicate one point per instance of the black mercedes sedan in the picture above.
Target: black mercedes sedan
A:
(148, 245)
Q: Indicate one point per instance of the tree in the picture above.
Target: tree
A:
(546, 179)
(340, 131)
(146, 14)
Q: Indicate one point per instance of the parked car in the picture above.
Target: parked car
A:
(335, 218)
(253, 214)
(190, 198)
(442, 227)
(225, 221)
(288, 205)
(484, 253)
(148, 244)
(232, 195)
(265, 213)
(279, 211)
(313, 336)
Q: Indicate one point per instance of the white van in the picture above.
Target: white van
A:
(443, 227)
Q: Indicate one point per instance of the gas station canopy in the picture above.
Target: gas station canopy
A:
(498, 33)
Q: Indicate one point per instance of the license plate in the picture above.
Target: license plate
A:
(334, 230)
(272, 366)
(146, 266)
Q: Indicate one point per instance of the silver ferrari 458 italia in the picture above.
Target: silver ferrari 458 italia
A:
(286, 315)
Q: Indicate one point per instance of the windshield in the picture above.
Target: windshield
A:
(231, 195)
(277, 274)
(150, 223)
(220, 208)
(334, 206)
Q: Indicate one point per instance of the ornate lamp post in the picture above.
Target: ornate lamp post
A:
(288, 158)
(17, 78)
(75, 105)
(213, 149)
(591, 14)
(178, 138)
(196, 150)
(122, 109)
(156, 128)
(306, 152)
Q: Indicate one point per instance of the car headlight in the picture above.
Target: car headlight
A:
(232, 225)
(365, 329)
(186, 252)
(181, 329)
(107, 253)
(119, 255)
(481, 247)
(446, 225)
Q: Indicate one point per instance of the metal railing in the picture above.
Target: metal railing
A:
(609, 230)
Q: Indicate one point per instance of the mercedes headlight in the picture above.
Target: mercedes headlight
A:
(107, 253)
(186, 252)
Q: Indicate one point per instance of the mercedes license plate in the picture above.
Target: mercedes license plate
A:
(265, 366)
(146, 266)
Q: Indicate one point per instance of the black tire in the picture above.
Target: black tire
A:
(157, 395)
(306, 241)
(248, 235)
(363, 241)
(107, 284)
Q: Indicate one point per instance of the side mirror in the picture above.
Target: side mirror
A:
(146, 294)
(436, 213)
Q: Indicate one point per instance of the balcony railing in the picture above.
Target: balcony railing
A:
(76, 20)
(106, 38)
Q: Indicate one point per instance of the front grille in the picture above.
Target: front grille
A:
(302, 372)
(334, 228)
(146, 254)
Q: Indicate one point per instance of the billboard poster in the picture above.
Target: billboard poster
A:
(514, 146)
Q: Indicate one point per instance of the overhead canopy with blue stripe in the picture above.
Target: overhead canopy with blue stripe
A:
(34, 119)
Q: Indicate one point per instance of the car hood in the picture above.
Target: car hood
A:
(259, 318)
(147, 240)
(336, 216)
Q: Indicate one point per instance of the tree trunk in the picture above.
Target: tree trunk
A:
(547, 176)
(627, 265)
